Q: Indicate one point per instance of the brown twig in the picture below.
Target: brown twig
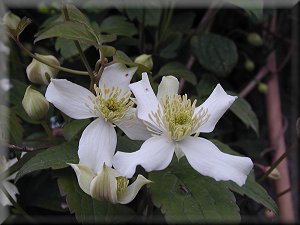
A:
(26, 148)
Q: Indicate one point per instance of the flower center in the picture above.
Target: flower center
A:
(176, 117)
(122, 183)
(112, 104)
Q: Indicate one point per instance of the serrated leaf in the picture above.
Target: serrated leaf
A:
(69, 30)
(251, 188)
(215, 53)
(179, 70)
(118, 25)
(185, 196)
(55, 157)
(74, 127)
(87, 209)
(76, 15)
(242, 109)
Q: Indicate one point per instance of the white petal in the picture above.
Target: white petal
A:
(97, 144)
(208, 160)
(117, 75)
(133, 127)
(11, 189)
(70, 98)
(133, 189)
(168, 87)
(155, 154)
(216, 104)
(146, 99)
(104, 185)
(84, 176)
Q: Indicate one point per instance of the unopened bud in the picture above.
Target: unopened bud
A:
(249, 65)
(262, 88)
(255, 39)
(11, 20)
(145, 60)
(275, 174)
(35, 104)
(40, 73)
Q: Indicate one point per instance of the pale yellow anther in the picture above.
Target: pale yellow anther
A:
(122, 184)
(111, 103)
(176, 117)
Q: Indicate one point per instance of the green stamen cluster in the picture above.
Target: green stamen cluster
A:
(110, 104)
(122, 184)
(176, 116)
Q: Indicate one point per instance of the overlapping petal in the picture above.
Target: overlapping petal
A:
(208, 160)
(84, 176)
(133, 127)
(70, 98)
(97, 144)
(146, 99)
(216, 104)
(155, 154)
(133, 189)
(168, 86)
(117, 75)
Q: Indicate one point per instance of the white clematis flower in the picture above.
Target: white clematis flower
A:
(108, 184)
(9, 187)
(172, 119)
(111, 106)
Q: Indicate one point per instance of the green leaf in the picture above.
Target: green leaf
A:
(11, 129)
(179, 70)
(183, 22)
(74, 127)
(185, 196)
(253, 8)
(121, 57)
(76, 15)
(69, 30)
(152, 16)
(118, 25)
(215, 53)
(251, 188)
(242, 109)
(206, 85)
(105, 38)
(67, 47)
(125, 144)
(56, 158)
(170, 45)
(87, 209)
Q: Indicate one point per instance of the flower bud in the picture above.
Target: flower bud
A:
(255, 39)
(249, 65)
(145, 60)
(262, 88)
(40, 73)
(35, 104)
(275, 174)
(11, 20)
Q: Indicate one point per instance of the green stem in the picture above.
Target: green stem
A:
(81, 54)
(67, 70)
(48, 131)
(16, 205)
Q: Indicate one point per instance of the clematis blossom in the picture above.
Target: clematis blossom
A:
(175, 124)
(111, 105)
(108, 184)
